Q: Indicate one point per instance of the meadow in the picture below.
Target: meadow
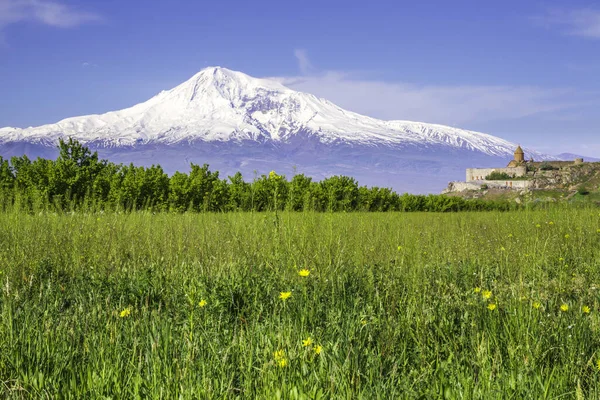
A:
(300, 305)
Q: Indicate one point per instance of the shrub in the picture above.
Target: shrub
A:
(498, 176)
(546, 166)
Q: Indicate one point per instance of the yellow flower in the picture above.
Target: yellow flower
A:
(272, 175)
(510, 235)
(125, 313)
(304, 272)
(550, 223)
(307, 342)
(202, 303)
(477, 290)
(598, 365)
(597, 230)
(279, 354)
(585, 309)
(564, 307)
(363, 322)
(282, 363)
(538, 226)
(285, 295)
(318, 349)
(567, 236)
(486, 294)
(502, 248)
(536, 304)
(491, 306)
(400, 247)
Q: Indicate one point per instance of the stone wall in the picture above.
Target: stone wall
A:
(476, 185)
(479, 174)
(461, 187)
(508, 184)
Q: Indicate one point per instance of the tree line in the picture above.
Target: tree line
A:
(79, 179)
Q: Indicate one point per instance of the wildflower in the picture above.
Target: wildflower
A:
(598, 365)
(307, 342)
(477, 290)
(598, 230)
(285, 295)
(550, 223)
(536, 304)
(585, 309)
(510, 235)
(363, 322)
(318, 349)
(202, 303)
(280, 358)
(564, 307)
(486, 294)
(567, 236)
(491, 306)
(561, 259)
(272, 175)
(304, 272)
(502, 248)
(125, 313)
(538, 226)
(400, 247)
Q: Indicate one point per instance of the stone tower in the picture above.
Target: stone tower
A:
(519, 155)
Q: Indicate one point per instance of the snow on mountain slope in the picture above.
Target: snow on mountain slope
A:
(238, 123)
(222, 105)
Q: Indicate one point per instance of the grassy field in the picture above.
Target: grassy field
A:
(423, 305)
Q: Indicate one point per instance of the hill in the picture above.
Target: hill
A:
(578, 183)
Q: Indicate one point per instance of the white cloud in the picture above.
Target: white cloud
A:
(50, 13)
(444, 104)
(579, 22)
(88, 65)
(303, 61)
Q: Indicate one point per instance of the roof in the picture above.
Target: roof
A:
(519, 150)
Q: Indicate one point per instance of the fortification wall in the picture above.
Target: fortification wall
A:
(479, 174)
(461, 187)
(508, 184)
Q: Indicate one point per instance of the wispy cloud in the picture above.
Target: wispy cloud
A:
(444, 104)
(50, 13)
(304, 63)
(579, 22)
(87, 64)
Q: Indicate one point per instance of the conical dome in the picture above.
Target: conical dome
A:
(519, 154)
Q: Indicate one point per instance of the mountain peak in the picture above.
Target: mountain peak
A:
(229, 83)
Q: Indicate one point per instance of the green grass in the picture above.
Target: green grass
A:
(390, 298)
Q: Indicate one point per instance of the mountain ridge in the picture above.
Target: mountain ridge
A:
(220, 104)
(231, 119)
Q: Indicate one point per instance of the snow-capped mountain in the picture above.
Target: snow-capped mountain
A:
(572, 156)
(236, 122)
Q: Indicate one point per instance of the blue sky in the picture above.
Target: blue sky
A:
(526, 71)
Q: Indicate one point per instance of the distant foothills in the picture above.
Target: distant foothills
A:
(79, 180)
